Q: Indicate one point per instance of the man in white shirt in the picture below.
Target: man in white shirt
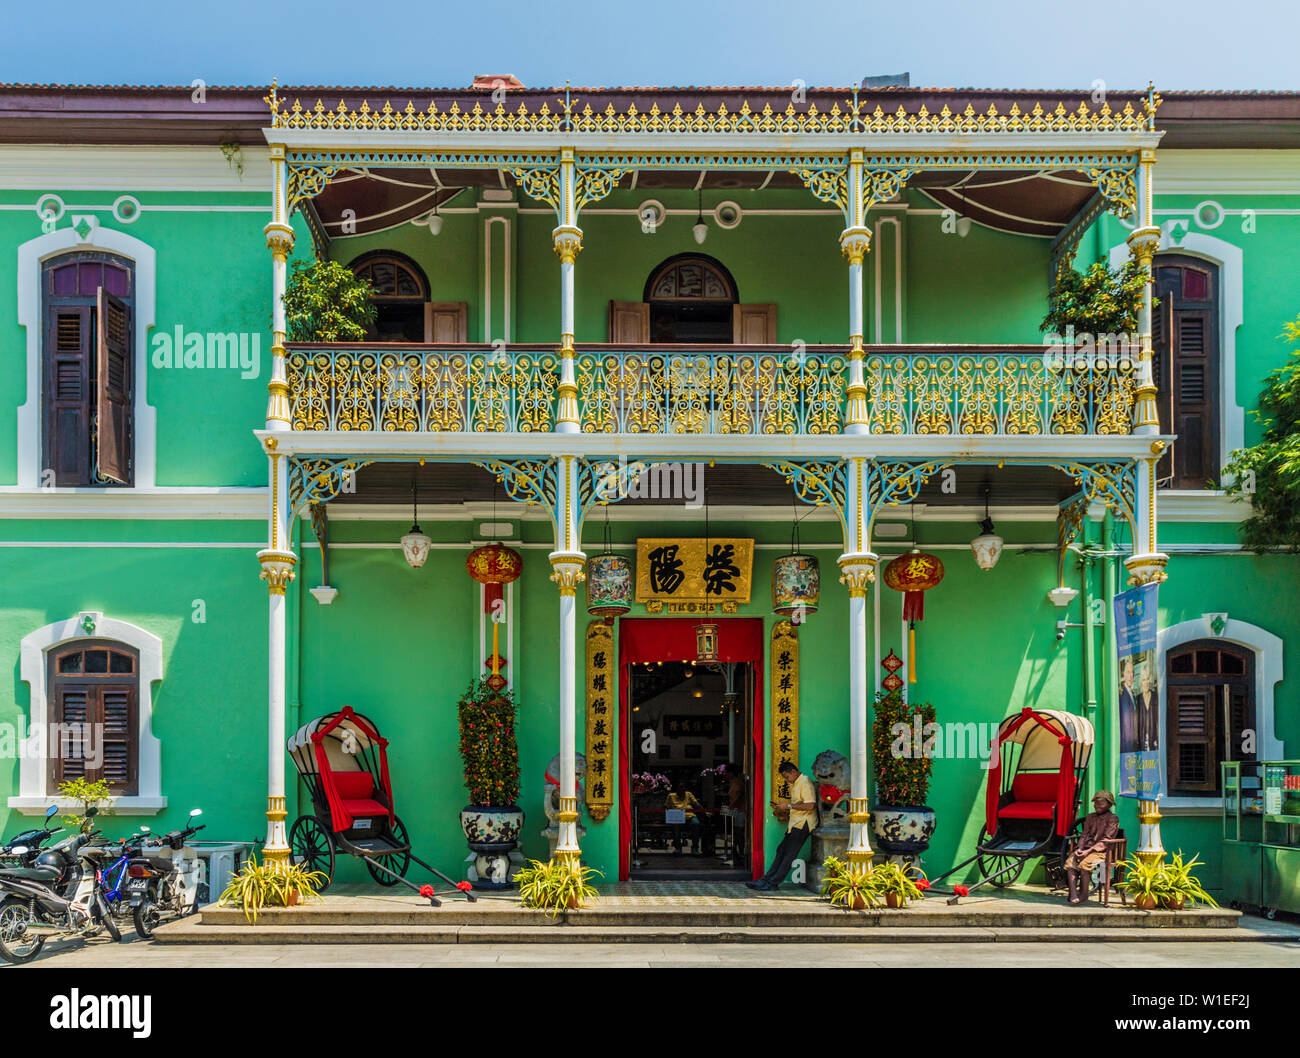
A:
(803, 819)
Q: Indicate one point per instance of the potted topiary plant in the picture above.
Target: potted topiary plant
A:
(556, 886)
(492, 821)
(900, 819)
(1098, 301)
(324, 301)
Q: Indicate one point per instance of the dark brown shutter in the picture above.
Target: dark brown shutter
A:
(74, 704)
(1190, 724)
(1185, 336)
(118, 709)
(629, 322)
(113, 389)
(753, 324)
(67, 388)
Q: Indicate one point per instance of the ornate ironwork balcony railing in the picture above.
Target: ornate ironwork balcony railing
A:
(746, 390)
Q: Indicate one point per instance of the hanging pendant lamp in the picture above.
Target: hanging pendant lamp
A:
(700, 229)
(988, 545)
(415, 545)
(796, 581)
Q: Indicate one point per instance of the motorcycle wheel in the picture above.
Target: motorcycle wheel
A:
(146, 918)
(14, 917)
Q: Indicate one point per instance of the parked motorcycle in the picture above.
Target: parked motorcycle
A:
(22, 848)
(58, 895)
(165, 879)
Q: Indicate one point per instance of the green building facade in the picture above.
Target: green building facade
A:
(951, 229)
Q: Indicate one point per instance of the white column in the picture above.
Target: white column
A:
(277, 558)
(567, 240)
(857, 572)
(1147, 564)
(567, 571)
(855, 241)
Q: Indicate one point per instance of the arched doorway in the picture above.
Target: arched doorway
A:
(691, 299)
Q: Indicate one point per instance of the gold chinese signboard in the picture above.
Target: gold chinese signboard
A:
(600, 720)
(684, 570)
(785, 704)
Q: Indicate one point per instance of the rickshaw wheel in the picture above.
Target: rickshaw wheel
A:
(398, 861)
(312, 847)
(991, 863)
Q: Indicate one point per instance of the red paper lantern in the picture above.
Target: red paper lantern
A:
(494, 566)
(913, 574)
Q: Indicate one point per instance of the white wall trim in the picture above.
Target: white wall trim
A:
(45, 167)
(1232, 416)
(31, 256)
(1200, 505)
(169, 502)
(1218, 172)
(1267, 649)
(488, 224)
(32, 798)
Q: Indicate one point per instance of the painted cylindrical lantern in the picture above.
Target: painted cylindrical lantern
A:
(609, 586)
(796, 586)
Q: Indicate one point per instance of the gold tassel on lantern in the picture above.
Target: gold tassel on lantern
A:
(911, 653)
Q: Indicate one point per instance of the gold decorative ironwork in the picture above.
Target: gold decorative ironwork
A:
(600, 720)
(841, 117)
(1118, 187)
(784, 662)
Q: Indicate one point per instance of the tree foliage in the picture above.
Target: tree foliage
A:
(1268, 473)
(325, 302)
(1101, 300)
(488, 746)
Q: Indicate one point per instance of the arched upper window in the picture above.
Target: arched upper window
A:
(1210, 712)
(88, 305)
(94, 720)
(1185, 335)
(691, 298)
(691, 277)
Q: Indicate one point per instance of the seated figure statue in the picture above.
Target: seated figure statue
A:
(1090, 850)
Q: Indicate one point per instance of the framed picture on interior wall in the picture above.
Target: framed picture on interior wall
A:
(694, 751)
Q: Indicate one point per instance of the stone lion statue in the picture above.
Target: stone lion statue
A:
(831, 773)
(551, 792)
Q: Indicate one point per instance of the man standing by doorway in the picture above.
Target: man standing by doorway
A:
(803, 818)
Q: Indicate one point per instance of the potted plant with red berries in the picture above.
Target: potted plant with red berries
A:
(901, 821)
(492, 821)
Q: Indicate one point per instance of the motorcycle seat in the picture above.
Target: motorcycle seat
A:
(31, 874)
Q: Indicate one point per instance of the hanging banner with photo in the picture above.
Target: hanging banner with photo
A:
(1139, 693)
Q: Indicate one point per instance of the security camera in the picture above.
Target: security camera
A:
(1061, 626)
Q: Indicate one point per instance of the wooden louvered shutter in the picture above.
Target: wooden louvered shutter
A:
(67, 389)
(1190, 725)
(446, 322)
(118, 712)
(74, 704)
(113, 389)
(1185, 337)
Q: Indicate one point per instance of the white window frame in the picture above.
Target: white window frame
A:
(32, 798)
(32, 256)
(1267, 649)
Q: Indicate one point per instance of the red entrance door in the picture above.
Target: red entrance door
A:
(648, 639)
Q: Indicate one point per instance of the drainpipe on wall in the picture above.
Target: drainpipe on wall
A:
(1108, 733)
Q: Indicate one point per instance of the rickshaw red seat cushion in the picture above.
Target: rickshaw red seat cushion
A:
(1033, 796)
(364, 806)
(354, 785)
(1028, 810)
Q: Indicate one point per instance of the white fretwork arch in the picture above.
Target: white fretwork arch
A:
(32, 797)
(1232, 416)
(1267, 649)
(31, 256)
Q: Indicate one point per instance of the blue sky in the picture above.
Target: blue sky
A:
(1190, 44)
